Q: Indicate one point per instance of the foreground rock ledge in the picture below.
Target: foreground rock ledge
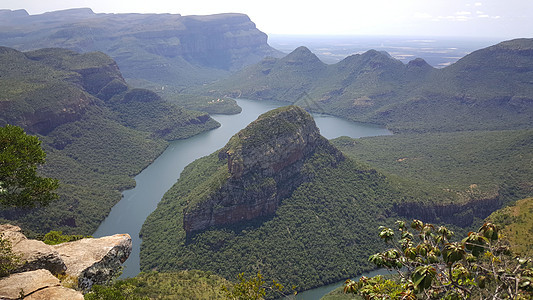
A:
(34, 254)
(38, 284)
(95, 260)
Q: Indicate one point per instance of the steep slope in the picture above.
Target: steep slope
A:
(516, 223)
(279, 198)
(164, 49)
(488, 89)
(264, 163)
(96, 130)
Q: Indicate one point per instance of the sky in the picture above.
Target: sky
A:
(458, 18)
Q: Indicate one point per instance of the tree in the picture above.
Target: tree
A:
(429, 266)
(250, 289)
(8, 260)
(20, 185)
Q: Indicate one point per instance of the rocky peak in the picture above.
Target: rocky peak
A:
(264, 163)
(418, 63)
(275, 140)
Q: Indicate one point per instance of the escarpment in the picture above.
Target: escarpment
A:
(50, 87)
(162, 48)
(264, 165)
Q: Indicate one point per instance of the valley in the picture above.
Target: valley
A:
(147, 123)
(156, 179)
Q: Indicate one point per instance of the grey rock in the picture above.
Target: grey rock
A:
(95, 260)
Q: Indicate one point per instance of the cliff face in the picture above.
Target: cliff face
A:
(163, 48)
(264, 165)
(458, 214)
(50, 87)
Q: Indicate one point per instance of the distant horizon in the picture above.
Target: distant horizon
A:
(416, 18)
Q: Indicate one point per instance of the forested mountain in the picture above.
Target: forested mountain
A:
(96, 130)
(311, 221)
(152, 49)
(488, 89)
(295, 211)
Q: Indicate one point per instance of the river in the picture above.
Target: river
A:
(128, 215)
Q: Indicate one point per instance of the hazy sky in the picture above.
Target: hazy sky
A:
(484, 18)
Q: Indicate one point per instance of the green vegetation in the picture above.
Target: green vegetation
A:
(210, 105)
(516, 225)
(289, 247)
(430, 266)
(250, 289)
(8, 260)
(194, 285)
(57, 237)
(97, 132)
(20, 185)
(264, 130)
(457, 166)
(488, 89)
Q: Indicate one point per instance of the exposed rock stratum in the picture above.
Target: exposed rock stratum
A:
(264, 163)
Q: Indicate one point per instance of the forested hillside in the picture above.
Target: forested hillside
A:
(326, 229)
(96, 130)
(460, 176)
(156, 50)
(489, 89)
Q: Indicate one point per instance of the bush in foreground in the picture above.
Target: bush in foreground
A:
(429, 266)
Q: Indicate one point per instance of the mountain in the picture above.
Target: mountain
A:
(263, 165)
(488, 89)
(281, 199)
(154, 49)
(97, 131)
(277, 198)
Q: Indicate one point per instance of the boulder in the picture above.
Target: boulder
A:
(37, 284)
(34, 254)
(95, 260)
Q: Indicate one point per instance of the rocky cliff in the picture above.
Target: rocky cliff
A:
(264, 163)
(168, 48)
(46, 88)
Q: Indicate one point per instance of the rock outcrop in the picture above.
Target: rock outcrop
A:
(33, 254)
(264, 164)
(38, 284)
(95, 261)
(88, 261)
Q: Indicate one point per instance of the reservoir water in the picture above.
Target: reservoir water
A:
(128, 215)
